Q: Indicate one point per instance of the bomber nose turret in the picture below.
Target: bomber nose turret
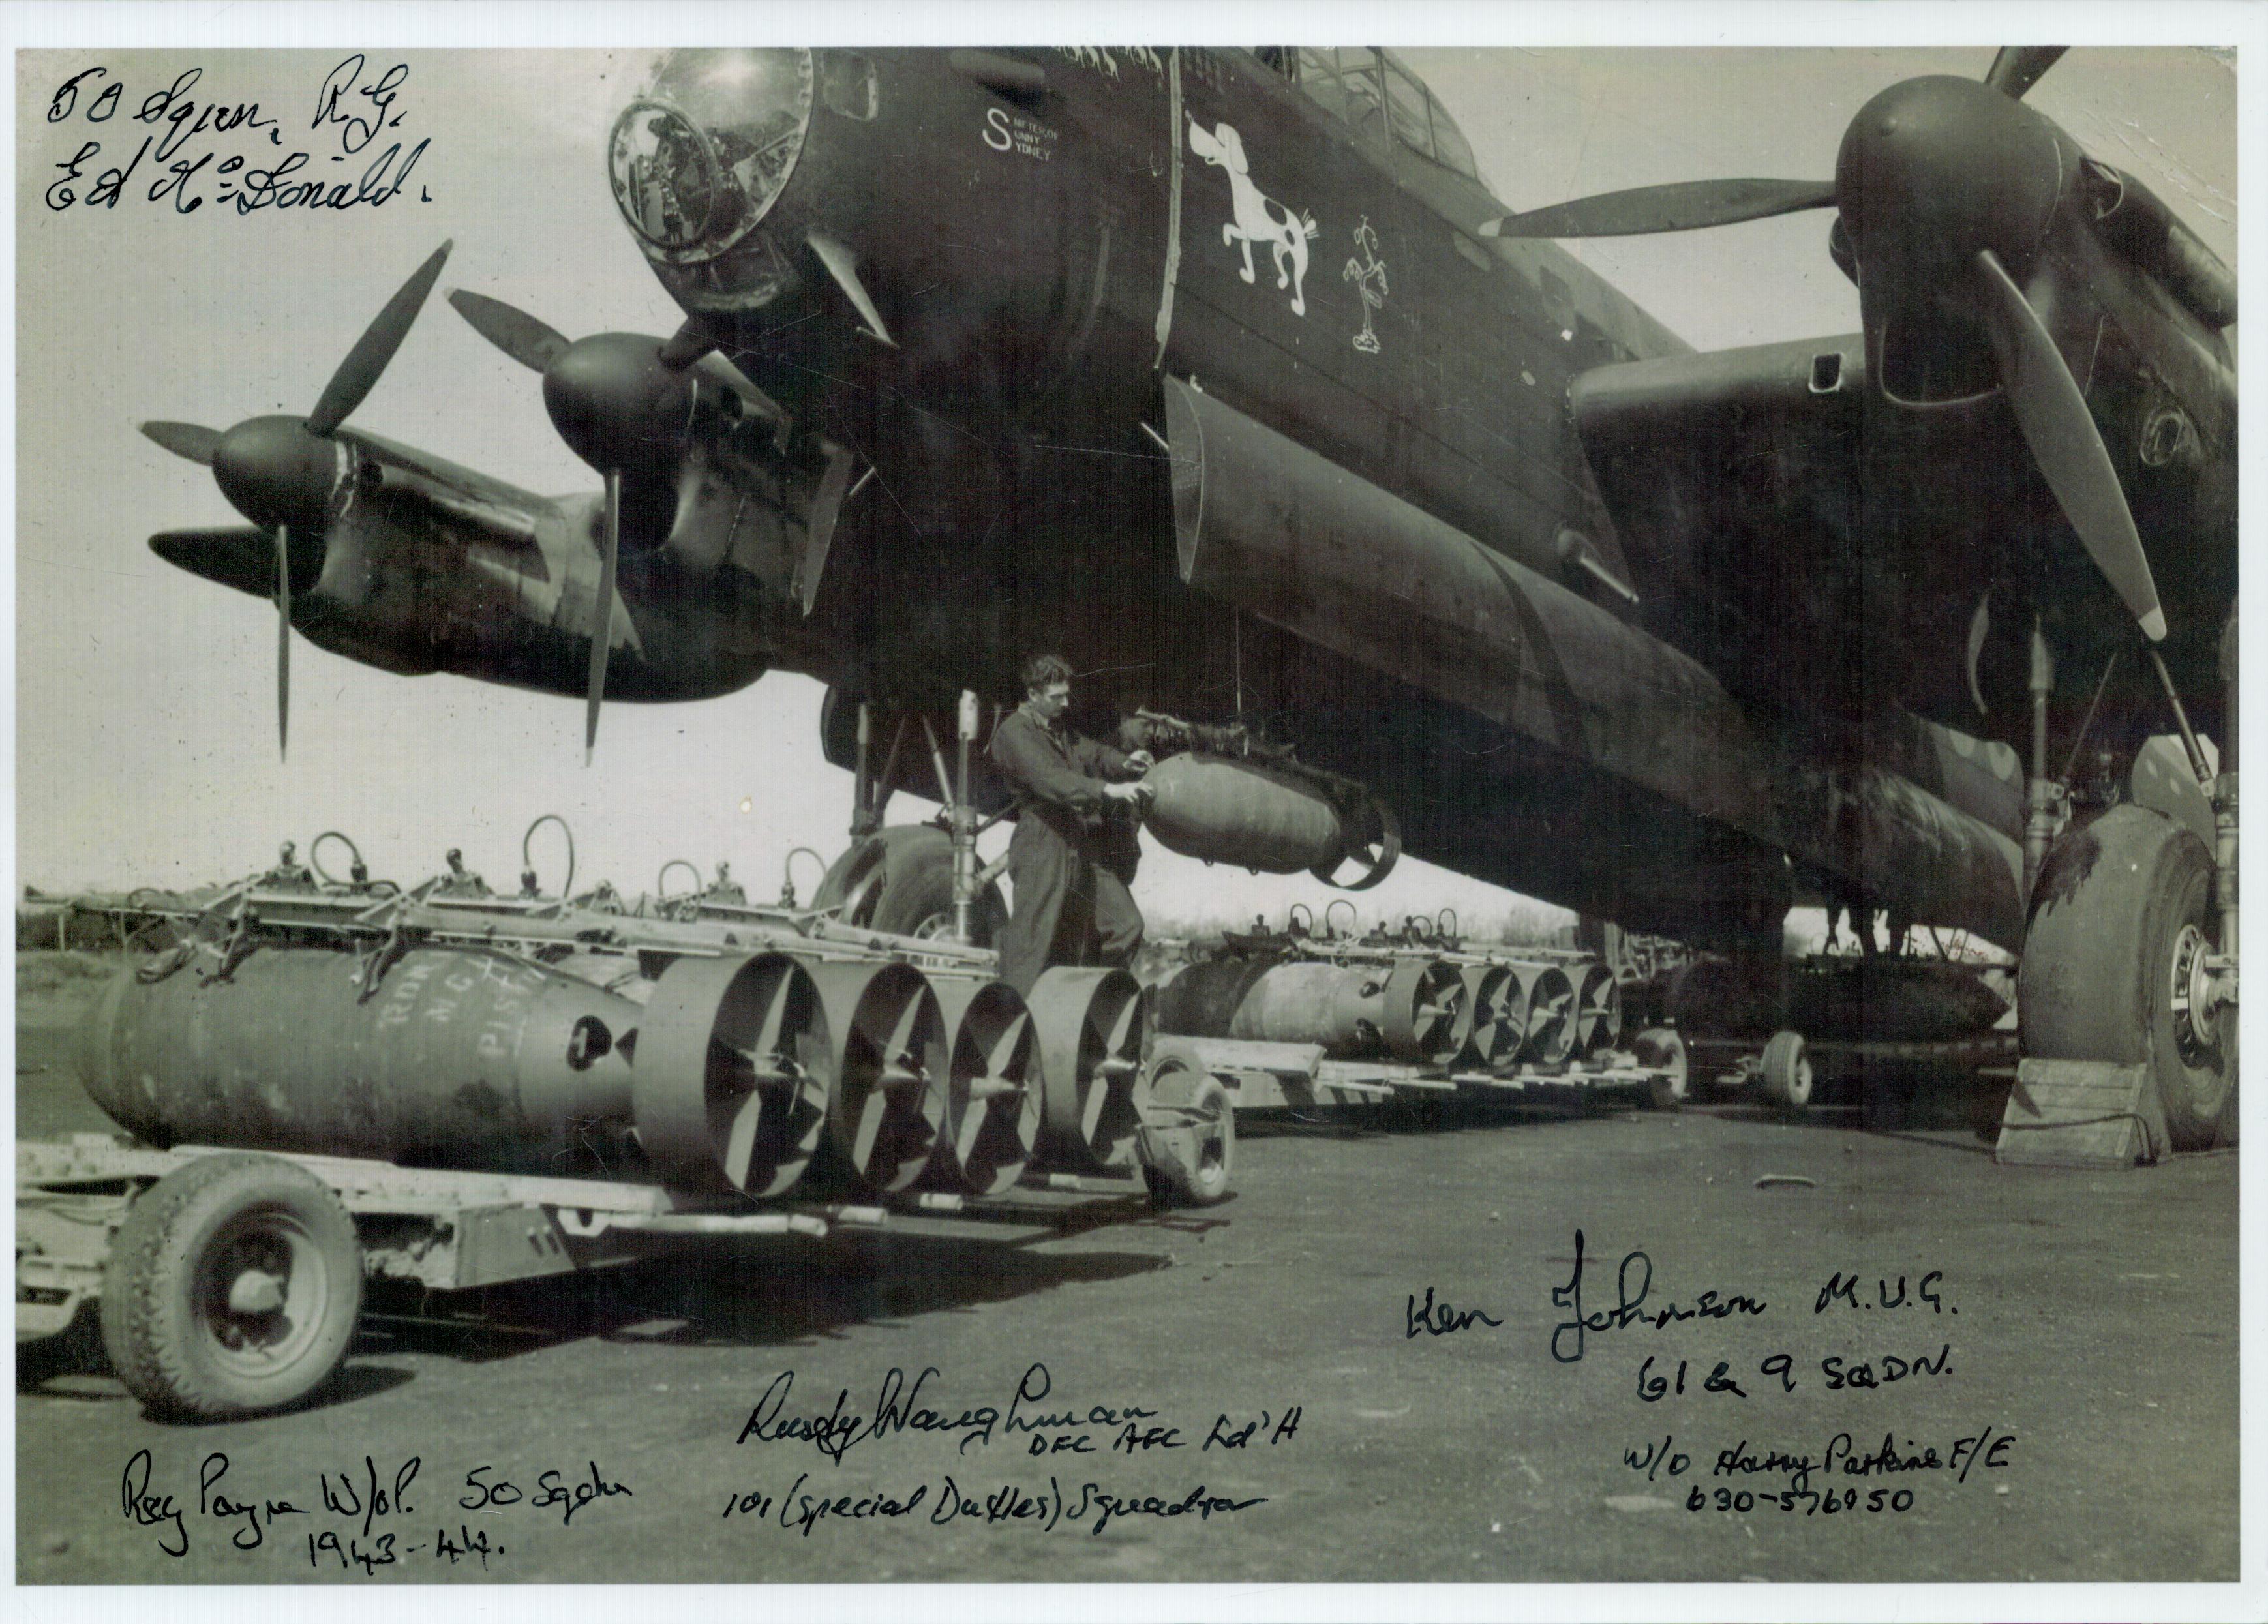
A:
(701, 156)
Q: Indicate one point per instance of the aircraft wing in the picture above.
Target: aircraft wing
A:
(1734, 479)
(502, 514)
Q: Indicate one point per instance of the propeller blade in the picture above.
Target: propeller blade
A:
(2052, 415)
(1679, 206)
(819, 533)
(718, 370)
(284, 641)
(527, 340)
(602, 627)
(843, 265)
(191, 440)
(359, 372)
(1980, 628)
(686, 345)
(2019, 67)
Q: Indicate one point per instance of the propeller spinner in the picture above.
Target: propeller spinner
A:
(1945, 189)
(281, 472)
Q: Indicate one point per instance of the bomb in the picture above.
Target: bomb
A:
(1275, 817)
(456, 1057)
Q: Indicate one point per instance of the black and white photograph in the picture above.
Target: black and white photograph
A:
(829, 800)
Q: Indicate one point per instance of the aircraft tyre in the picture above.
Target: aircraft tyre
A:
(232, 1288)
(2121, 915)
(900, 880)
(1785, 1074)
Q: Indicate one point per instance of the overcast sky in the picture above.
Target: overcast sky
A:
(146, 749)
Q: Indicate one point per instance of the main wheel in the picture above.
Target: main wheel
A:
(1785, 1073)
(233, 1288)
(900, 880)
(2122, 922)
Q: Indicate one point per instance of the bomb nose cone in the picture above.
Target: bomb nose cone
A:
(615, 405)
(1935, 170)
(273, 472)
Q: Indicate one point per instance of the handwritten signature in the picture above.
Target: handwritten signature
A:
(212, 148)
(1632, 1282)
(1045, 1425)
(363, 1517)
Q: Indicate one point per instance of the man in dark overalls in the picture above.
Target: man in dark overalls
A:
(1066, 861)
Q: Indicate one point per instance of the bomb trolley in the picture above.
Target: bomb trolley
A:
(461, 1091)
(1299, 1019)
(230, 1283)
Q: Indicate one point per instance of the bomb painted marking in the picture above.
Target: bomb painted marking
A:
(1259, 216)
(1367, 272)
(1104, 58)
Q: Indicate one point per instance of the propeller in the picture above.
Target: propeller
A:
(2052, 415)
(1690, 205)
(281, 472)
(625, 403)
(191, 440)
(1679, 206)
(527, 339)
(1941, 185)
(366, 362)
(602, 627)
(284, 641)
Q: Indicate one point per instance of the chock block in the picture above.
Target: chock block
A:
(2081, 1114)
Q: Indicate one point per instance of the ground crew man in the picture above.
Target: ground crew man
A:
(1068, 872)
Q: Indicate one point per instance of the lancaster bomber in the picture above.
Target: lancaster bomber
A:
(1224, 370)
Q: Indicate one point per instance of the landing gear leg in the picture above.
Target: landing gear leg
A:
(909, 879)
(869, 795)
(2043, 795)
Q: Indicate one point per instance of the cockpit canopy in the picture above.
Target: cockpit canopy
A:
(1374, 91)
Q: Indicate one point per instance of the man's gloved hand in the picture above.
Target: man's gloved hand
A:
(1139, 761)
(1135, 795)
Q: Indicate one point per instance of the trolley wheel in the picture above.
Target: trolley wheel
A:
(1661, 1049)
(1785, 1073)
(232, 1288)
(2122, 919)
(1191, 1158)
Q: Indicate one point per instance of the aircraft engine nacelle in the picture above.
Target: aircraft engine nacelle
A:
(1274, 818)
